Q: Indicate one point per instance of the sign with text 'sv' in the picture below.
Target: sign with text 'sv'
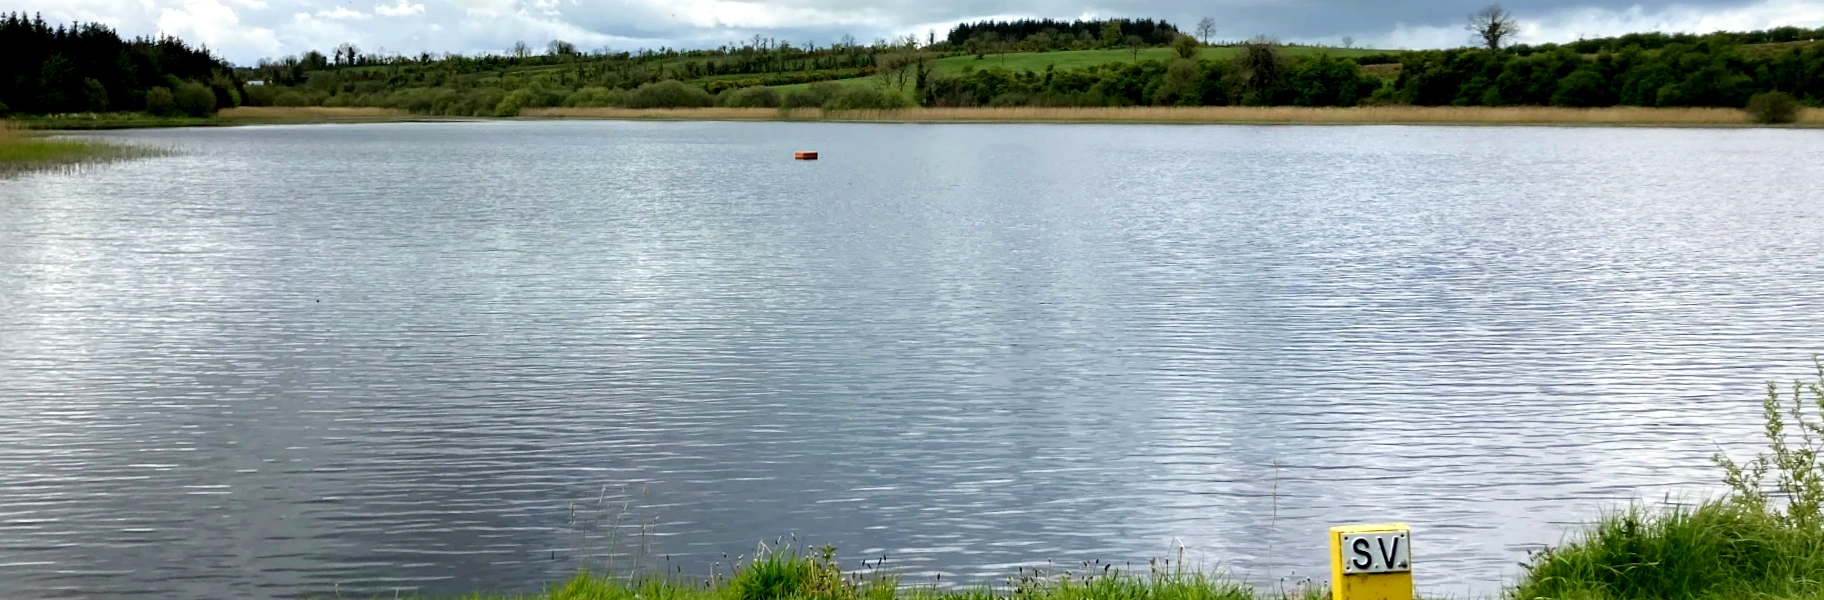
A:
(1371, 562)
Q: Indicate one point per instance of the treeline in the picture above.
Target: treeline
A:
(1708, 71)
(1259, 75)
(561, 63)
(87, 67)
(1047, 34)
(1704, 71)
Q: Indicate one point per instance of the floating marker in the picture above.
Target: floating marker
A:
(1371, 562)
(804, 155)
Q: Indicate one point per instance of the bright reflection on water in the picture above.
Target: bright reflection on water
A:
(364, 358)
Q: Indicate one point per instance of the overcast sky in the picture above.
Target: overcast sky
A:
(244, 31)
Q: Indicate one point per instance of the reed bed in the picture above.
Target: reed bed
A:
(311, 112)
(1286, 115)
(23, 152)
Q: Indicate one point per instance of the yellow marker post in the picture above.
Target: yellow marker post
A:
(1371, 562)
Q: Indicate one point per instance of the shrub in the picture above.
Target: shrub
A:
(1751, 544)
(195, 99)
(815, 95)
(595, 97)
(1773, 107)
(291, 98)
(752, 97)
(670, 93)
(160, 102)
(1582, 89)
(865, 98)
(260, 95)
(510, 105)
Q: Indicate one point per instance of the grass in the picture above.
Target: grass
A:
(23, 152)
(1282, 115)
(784, 574)
(245, 115)
(1764, 540)
(1076, 59)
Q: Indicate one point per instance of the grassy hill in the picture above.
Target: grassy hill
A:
(1074, 59)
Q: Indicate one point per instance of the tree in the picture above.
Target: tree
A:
(97, 95)
(1257, 68)
(1348, 41)
(1493, 25)
(1135, 43)
(1184, 46)
(160, 103)
(521, 50)
(1773, 108)
(1111, 33)
(195, 99)
(1206, 28)
(346, 53)
(561, 48)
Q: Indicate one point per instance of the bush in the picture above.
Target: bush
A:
(752, 97)
(815, 95)
(1751, 544)
(291, 98)
(596, 97)
(260, 95)
(865, 98)
(195, 99)
(160, 102)
(1773, 108)
(510, 105)
(670, 93)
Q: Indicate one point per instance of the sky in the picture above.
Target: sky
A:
(244, 31)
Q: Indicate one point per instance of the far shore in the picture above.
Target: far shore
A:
(1214, 115)
(1621, 116)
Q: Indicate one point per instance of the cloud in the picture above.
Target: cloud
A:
(343, 14)
(246, 30)
(1593, 22)
(399, 10)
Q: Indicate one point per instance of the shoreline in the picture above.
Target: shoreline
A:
(1216, 115)
(1809, 118)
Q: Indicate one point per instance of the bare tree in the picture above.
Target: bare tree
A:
(1493, 25)
(1135, 43)
(1206, 29)
(560, 48)
(521, 50)
(1348, 41)
(347, 53)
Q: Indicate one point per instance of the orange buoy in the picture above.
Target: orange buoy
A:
(804, 155)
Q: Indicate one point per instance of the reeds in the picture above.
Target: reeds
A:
(23, 152)
(311, 112)
(1284, 115)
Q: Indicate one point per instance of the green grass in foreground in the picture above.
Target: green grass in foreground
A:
(21, 153)
(787, 575)
(1764, 540)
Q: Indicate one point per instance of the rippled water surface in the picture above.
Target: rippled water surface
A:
(366, 358)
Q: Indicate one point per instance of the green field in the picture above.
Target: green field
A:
(1076, 59)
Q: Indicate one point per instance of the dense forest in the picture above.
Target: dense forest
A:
(86, 67)
(89, 68)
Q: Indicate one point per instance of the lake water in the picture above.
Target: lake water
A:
(370, 358)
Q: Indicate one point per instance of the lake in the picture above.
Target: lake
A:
(443, 357)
